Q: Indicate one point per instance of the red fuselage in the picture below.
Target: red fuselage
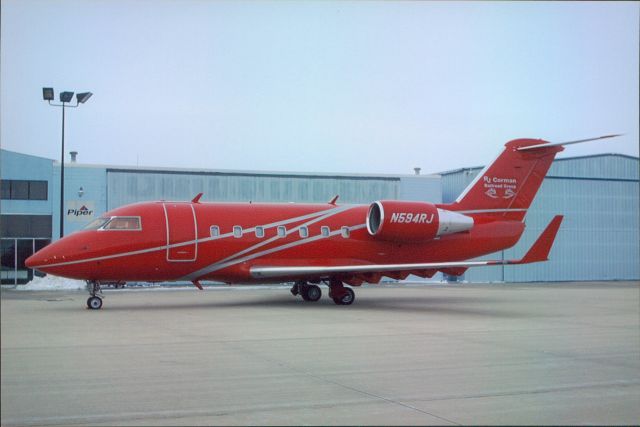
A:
(172, 241)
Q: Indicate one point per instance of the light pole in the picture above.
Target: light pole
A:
(65, 97)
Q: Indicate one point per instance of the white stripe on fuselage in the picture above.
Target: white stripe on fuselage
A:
(331, 213)
(219, 266)
(190, 242)
(228, 260)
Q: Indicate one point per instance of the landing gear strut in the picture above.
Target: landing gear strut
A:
(95, 301)
(339, 294)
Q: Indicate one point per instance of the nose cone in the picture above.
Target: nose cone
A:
(63, 257)
(50, 254)
(34, 260)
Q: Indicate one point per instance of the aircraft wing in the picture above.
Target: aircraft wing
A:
(537, 253)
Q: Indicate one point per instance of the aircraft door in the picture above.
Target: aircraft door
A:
(181, 228)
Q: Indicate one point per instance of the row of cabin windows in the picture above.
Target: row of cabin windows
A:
(281, 231)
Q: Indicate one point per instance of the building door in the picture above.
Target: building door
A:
(13, 253)
(182, 245)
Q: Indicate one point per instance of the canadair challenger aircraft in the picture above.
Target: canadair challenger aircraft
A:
(312, 243)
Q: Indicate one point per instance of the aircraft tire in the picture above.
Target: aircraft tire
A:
(94, 303)
(347, 298)
(311, 293)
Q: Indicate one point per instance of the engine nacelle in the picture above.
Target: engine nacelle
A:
(413, 221)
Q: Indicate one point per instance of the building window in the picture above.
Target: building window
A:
(260, 232)
(15, 189)
(20, 190)
(215, 231)
(6, 189)
(324, 230)
(37, 190)
(282, 231)
(345, 232)
(304, 232)
(237, 231)
(21, 226)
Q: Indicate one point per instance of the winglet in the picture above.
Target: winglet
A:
(334, 200)
(197, 198)
(541, 248)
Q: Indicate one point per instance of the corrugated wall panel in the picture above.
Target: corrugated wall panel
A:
(129, 187)
(600, 166)
(421, 188)
(454, 183)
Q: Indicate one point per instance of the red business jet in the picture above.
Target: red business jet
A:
(312, 243)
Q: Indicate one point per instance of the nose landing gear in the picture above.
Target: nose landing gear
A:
(95, 300)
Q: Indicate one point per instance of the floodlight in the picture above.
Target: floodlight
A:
(66, 96)
(83, 97)
(47, 93)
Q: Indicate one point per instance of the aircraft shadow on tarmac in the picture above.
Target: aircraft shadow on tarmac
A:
(459, 305)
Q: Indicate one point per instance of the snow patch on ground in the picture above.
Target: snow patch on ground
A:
(50, 282)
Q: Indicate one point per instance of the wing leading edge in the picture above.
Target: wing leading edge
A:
(538, 252)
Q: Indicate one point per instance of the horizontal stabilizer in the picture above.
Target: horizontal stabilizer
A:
(538, 252)
(541, 248)
(553, 144)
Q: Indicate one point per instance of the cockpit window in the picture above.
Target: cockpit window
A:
(96, 223)
(123, 223)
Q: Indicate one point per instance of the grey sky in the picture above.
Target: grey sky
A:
(370, 87)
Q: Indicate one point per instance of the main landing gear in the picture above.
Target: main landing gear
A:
(95, 300)
(340, 294)
(307, 291)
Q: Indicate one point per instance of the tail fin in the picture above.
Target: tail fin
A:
(505, 188)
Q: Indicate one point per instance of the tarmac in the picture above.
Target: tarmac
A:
(541, 353)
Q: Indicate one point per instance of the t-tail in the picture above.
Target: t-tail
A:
(505, 188)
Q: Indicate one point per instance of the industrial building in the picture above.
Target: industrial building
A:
(599, 238)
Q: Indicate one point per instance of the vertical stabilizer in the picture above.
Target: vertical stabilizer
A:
(505, 188)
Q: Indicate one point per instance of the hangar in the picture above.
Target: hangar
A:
(598, 195)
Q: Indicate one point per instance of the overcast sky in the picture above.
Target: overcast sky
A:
(361, 87)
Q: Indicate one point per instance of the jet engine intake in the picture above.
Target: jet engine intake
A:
(413, 221)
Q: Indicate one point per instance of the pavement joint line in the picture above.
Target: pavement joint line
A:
(618, 383)
(347, 387)
(173, 414)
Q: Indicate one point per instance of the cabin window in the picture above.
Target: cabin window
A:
(345, 232)
(324, 230)
(96, 223)
(282, 231)
(304, 232)
(237, 231)
(260, 232)
(123, 223)
(215, 231)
